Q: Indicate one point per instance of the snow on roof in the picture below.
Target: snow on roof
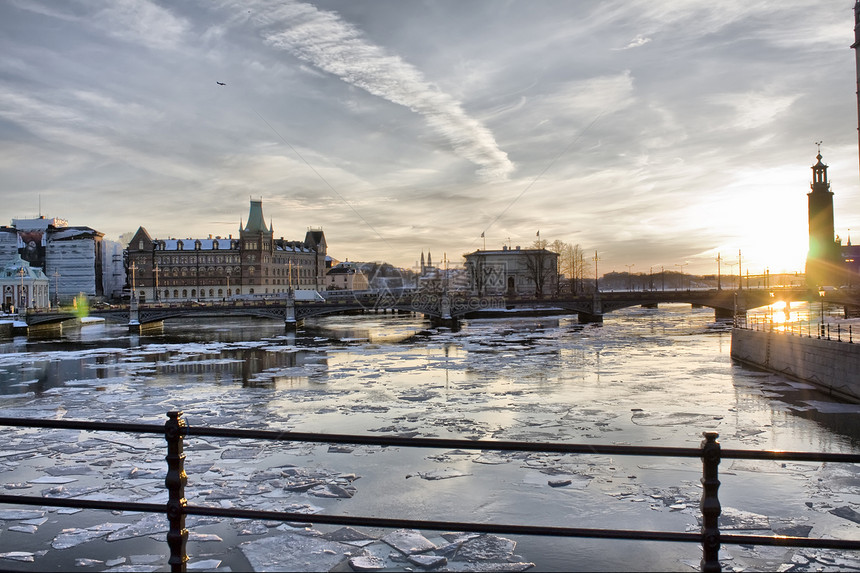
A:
(188, 244)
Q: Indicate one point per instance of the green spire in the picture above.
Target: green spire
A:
(256, 223)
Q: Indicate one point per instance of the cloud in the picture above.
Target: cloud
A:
(637, 42)
(323, 40)
(754, 109)
(142, 22)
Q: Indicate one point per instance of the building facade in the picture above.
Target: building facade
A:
(253, 263)
(71, 257)
(346, 276)
(23, 286)
(513, 272)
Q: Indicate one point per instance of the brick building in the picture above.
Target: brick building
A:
(254, 263)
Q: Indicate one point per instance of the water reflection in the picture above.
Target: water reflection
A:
(251, 352)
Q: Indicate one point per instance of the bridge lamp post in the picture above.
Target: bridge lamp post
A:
(629, 277)
(57, 288)
(21, 299)
(770, 310)
(821, 313)
(682, 265)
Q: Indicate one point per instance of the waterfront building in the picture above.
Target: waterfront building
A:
(23, 286)
(851, 258)
(214, 268)
(346, 276)
(71, 256)
(513, 272)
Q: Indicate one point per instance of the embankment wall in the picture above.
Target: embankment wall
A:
(831, 365)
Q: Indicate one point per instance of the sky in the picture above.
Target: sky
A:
(656, 134)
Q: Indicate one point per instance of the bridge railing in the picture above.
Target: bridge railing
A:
(806, 329)
(176, 430)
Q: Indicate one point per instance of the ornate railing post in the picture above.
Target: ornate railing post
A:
(177, 535)
(710, 504)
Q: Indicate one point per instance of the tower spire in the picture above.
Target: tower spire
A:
(824, 255)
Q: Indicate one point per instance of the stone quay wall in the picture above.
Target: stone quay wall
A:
(831, 365)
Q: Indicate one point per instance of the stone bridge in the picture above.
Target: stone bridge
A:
(450, 308)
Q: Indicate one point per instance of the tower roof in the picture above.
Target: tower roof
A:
(256, 222)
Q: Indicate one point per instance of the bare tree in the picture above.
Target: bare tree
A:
(570, 263)
(539, 265)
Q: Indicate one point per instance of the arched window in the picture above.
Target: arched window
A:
(194, 293)
(175, 293)
(211, 292)
(184, 293)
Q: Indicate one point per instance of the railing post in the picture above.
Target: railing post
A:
(710, 504)
(177, 535)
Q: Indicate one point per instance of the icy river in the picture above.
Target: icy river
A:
(644, 377)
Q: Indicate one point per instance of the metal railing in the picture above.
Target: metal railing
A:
(176, 429)
(805, 329)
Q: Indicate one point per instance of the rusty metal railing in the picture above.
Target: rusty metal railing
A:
(176, 429)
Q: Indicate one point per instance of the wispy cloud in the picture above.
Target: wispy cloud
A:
(323, 40)
(636, 42)
(754, 109)
(142, 22)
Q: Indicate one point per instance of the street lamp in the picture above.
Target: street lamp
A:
(682, 265)
(821, 315)
(57, 288)
(21, 296)
(629, 277)
(719, 259)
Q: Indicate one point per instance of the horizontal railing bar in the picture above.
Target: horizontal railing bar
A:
(789, 541)
(83, 503)
(551, 447)
(83, 425)
(446, 443)
(790, 456)
(391, 523)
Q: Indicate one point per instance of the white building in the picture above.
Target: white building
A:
(71, 257)
(23, 286)
(513, 272)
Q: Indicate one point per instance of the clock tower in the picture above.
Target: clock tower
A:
(823, 262)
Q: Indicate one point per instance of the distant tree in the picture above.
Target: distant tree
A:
(539, 265)
(478, 273)
(571, 263)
